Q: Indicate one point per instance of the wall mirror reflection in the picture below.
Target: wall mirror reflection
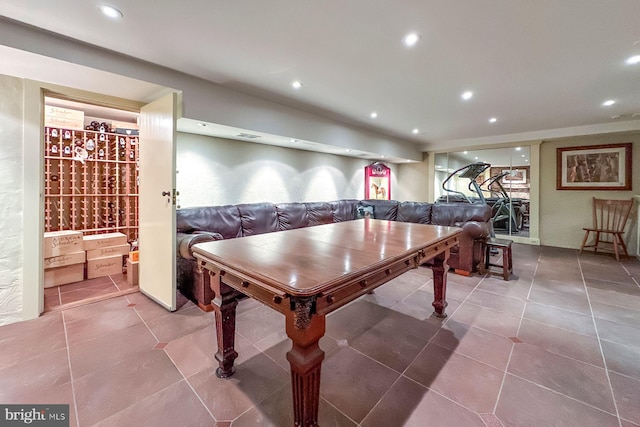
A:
(499, 177)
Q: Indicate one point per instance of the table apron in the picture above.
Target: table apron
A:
(329, 301)
(268, 295)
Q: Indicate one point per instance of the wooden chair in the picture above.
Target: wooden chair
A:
(609, 220)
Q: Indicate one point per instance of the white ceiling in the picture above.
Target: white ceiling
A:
(534, 65)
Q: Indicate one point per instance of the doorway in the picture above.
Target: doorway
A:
(91, 180)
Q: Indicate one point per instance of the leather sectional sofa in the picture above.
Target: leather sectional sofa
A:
(203, 224)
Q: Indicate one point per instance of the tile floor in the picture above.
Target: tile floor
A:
(557, 345)
(102, 287)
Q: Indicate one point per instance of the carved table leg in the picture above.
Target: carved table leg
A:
(440, 268)
(305, 357)
(224, 305)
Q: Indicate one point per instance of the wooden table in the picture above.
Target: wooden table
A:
(309, 272)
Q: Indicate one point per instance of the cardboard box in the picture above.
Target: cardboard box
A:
(108, 251)
(107, 266)
(58, 117)
(132, 272)
(99, 241)
(62, 242)
(66, 259)
(62, 275)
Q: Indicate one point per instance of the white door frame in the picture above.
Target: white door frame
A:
(33, 176)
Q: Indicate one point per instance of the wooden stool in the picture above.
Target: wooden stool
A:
(507, 261)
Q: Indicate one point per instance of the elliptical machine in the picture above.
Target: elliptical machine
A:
(504, 213)
(471, 171)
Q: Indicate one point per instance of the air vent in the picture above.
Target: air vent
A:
(248, 135)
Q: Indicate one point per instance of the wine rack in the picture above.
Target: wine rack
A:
(91, 182)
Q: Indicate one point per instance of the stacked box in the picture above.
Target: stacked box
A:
(105, 254)
(62, 243)
(132, 272)
(63, 258)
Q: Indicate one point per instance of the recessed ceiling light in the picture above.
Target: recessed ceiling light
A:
(110, 12)
(293, 140)
(633, 59)
(416, 131)
(202, 124)
(465, 152)
(411, 39)
(373, 115)
(608, 103)
(475, 158)
(493, 120)
(518, 148)
(524, 155)
(348, 150)
(467, 95)
(382, 157)
(296, 84)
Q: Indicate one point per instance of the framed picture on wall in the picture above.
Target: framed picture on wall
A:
(594, 167)
(516, 176)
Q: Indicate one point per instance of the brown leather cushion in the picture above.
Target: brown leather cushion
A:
(382, 209)
(217, 219)
(258, 218)
(416, 212)
(456, 214)
(344, 210)
(291, 216)
(319, 213)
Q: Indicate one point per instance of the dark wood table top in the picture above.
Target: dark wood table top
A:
(311, 260)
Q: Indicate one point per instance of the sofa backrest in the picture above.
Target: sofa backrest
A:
(292, 215)
(456, 214)
(416, 212)
(382, 209)
(258, 218)
(233, 221)
(216, 219)
(319, 213)
(344, 210)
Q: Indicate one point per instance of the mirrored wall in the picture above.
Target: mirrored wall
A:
(499, 177)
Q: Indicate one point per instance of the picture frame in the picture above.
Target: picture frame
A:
(594, 167)
(516, 176)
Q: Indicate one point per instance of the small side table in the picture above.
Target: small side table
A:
(507, 261)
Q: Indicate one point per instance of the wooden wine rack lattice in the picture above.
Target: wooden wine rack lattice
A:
(95, 195)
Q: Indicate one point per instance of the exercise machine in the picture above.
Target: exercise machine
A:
(471, 171)
(504, 210)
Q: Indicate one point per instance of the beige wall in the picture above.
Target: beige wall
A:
(414, 182)
(564, 213)
(215, 171)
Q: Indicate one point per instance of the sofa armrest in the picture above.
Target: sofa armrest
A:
(476, 229)
(185, 241)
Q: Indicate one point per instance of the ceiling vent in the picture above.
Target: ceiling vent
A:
(248, 135)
